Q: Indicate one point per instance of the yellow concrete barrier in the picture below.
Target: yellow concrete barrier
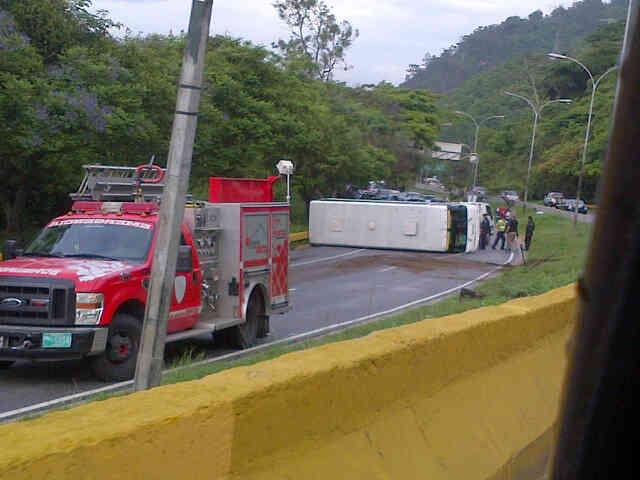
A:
(450, 398)
(299, 236)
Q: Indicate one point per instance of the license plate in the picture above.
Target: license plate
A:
(56, 340)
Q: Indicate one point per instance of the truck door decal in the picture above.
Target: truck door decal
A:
(255, 251)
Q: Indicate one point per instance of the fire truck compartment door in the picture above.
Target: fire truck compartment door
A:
(279, 284)
(255, 242)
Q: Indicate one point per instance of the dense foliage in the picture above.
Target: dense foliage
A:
(489, 47)
(70, 94)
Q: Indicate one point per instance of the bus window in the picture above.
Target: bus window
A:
(458, 228)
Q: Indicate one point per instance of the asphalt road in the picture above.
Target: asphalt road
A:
(329, 285)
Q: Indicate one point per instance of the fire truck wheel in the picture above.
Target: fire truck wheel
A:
(118, 362)
(264, 326)
(244, 336)
(5, 364)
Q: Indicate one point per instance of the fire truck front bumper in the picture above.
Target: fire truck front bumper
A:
(47, 343)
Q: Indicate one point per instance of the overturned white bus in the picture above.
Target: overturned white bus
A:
(430, 227)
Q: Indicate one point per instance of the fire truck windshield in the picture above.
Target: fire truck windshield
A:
(77, 239)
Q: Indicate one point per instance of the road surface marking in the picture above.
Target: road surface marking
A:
(326, 259)
(388, 269)
(123, 386)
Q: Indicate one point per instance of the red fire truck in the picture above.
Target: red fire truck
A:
(79, 290)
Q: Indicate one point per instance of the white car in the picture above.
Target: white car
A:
(510, 195)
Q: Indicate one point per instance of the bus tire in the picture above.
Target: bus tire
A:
(118, 362)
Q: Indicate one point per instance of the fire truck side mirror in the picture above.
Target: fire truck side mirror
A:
(185, 259)
(10, 250)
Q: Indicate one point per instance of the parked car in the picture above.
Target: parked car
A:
(570, 206)
(366, 195)
(388, 194)
(553, 199)
(414, 197)
(433, 180)
(510, 195)
(477, 194)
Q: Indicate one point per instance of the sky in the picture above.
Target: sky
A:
(393, 33)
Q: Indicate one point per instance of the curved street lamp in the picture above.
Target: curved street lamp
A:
(537, 110)
(594, 87)
(478, 124)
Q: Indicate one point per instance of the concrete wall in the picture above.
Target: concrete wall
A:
(454, 398)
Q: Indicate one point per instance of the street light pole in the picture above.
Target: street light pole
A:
(475, 150)
(537, 110)
(594, 87)
(477, 124)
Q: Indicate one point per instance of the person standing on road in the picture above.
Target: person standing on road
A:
(512, 233)
(501, 226)
(528, 236)
(485, 231)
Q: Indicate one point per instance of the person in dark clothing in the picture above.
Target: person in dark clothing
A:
(528, 236)
(485, 232)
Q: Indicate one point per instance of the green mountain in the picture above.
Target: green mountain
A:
(490, 47)
(504, 144)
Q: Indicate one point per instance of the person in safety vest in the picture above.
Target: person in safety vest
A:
(501, 227)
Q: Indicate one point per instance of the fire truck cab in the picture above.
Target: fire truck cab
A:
(80, 289)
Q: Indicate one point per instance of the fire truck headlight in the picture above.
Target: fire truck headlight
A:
(89, 308)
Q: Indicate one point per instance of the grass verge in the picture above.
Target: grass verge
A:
(556, 259)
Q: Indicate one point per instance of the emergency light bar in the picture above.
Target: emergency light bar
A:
(122, 208)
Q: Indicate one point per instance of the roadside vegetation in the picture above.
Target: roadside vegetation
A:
(78, 88)
(556, 259)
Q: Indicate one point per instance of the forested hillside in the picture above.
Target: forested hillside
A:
(487, 48)
(504, 145)
(71, 94)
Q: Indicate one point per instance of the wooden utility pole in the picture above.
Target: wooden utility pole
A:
(154, 332)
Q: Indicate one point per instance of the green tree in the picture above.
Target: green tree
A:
(55, 25)
(318, 40)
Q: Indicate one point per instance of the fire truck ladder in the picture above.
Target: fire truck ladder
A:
(121, 184)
